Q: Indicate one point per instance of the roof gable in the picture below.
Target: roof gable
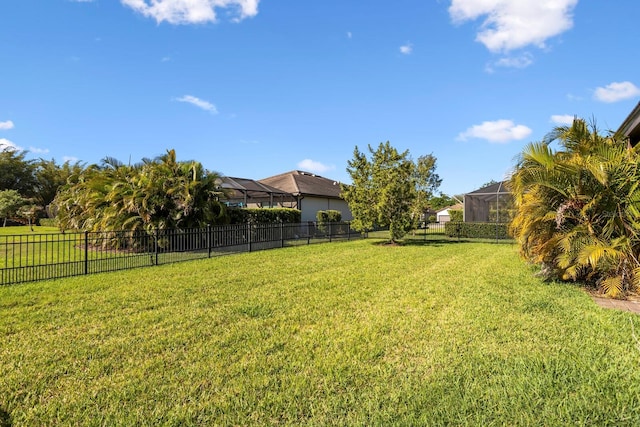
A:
(630, 127)
(304, 183)
(497, 188)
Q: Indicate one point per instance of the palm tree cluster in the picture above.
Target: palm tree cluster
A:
(578, 207)
(161, 193)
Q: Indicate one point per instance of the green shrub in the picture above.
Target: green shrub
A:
(48, 222)
(264, 215)
(456, 215)
(329, 216)
(477, 230)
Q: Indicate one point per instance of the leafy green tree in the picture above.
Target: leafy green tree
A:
(578, 208)
(440, 202)
(388, 189)
(50, 177)
(17, 173)
(10, 203)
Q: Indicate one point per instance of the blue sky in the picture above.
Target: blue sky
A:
(253, 88)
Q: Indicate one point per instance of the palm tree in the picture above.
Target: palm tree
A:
(156, 194)
(578, 208)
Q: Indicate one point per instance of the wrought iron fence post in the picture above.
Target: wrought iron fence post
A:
(249, 235)
(282, 234)
(156, 247)
(208, 240)
(330, 231)
(86, 252)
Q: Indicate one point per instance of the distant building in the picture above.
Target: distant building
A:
(311, 192)
(488, 204)
(443, 215)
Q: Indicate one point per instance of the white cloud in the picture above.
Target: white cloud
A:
(200, 103)
(498, 131)
(192, 11)
(313, 166)
(522, 61)
(562, 119)
(616, 91)
(70, 159)
(6, 125)
(406, 49)
(36, 150)
(5, 144)
(514, 24)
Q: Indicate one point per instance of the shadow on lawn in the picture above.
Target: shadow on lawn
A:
(442, 242)
(5, 419)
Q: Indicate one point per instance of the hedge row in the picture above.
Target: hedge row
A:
(264, 215)
(477, 230)
(329, 216)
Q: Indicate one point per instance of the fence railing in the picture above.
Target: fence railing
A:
(31, 257)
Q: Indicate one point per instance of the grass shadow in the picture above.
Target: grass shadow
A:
(5, 419)
(440, 241)
(419, 242)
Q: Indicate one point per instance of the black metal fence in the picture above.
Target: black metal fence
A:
(31, 257)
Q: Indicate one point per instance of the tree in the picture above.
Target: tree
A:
(161, 193)
(10, 203)
(29, 211)
(388, 189)
(426, 183)
(578, 208)
(16, 173)
(440, 202)
(50, 177)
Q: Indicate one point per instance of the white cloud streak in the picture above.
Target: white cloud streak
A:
(313, 166)
(406, 49)
(498, 131)
(616, 91)
(183, 12)
(200, 103)
(37, 150)
(514, 24)
(562, 119)
(6, 125)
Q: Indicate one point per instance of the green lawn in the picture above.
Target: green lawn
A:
(351, 333)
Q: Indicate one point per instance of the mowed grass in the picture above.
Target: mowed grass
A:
(26, 230)
(352, 333)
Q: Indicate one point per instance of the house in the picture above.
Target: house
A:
(311, 192)
(630, 127)
(488, 204)
(444, 215)
(247, 193)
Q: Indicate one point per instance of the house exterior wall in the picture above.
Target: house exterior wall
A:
(443, 216)
(309, 207)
